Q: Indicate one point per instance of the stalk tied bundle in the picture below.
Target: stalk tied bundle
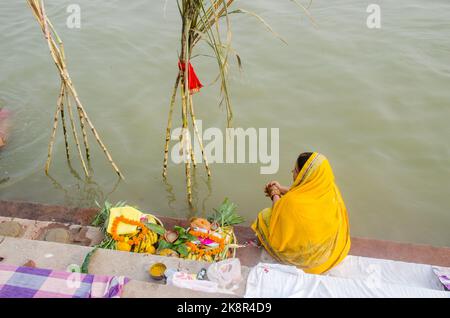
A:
(67, 94)
(199, 21)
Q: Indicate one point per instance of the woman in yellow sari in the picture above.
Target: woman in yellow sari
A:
(307, 225)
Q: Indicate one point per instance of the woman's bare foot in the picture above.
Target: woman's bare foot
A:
(255, 243)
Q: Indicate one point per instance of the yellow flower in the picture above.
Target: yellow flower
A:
(123, 246)
(150, 249)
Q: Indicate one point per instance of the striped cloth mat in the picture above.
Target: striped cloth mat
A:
(29, 282)
(443, 274)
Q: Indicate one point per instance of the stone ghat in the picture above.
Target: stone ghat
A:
(59, 256)
(52, 223)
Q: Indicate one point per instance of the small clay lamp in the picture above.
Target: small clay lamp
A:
(171, 236)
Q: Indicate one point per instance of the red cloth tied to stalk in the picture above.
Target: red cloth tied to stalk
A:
(194, 82)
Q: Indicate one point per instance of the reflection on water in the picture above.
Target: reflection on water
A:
(82, 192)
(171, 198)
(375, 102)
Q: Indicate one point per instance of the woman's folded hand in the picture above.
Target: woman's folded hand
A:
(269, 185)
(273, 183)
(271, 190)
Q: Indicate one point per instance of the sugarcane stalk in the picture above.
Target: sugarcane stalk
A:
(69, 84)
(200, 141)
(169, 124)
(83, 131)
(53, 135)
(88, 121)
(185, 142)
(192, 154)
(63, 121)
(194, 162)
(58, 57)
(96, 135)
(185, 105)
(75, 136)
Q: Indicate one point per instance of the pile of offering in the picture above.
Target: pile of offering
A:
(207, 239)
(214, 238)
(128, 229)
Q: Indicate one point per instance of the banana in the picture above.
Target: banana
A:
(150, 242)
(143, 245)
(150, 237)
(153, 237)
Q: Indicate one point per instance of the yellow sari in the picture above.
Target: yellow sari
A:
(308, 226)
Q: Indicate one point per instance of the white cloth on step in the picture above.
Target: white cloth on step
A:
(387, 271)
(350, 279)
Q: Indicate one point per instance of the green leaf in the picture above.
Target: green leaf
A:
(178, 242)
(182, 250)
(155, 228)
(226, 214)
(182, 237)
(191, 237)
(87, 260)
(163, 245)
(179, 229)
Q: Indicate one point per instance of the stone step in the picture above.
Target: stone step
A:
(84, 235)
(249, 256)
(50, 231)
(58, 256)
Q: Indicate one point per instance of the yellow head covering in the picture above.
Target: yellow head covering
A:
(308, 227)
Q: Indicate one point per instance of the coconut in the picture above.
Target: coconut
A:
(200, 223)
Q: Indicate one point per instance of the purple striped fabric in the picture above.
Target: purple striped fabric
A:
(28, 282)
(443, 274)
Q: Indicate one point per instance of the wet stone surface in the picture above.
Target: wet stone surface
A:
(62, 233)
(11, 228)
(59, 235)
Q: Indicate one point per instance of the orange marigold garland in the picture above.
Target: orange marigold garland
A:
(141, 242)
(206, 251)
(121, 238)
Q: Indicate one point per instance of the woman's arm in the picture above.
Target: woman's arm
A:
(275, 194)
(283, 189)
(275, 198)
